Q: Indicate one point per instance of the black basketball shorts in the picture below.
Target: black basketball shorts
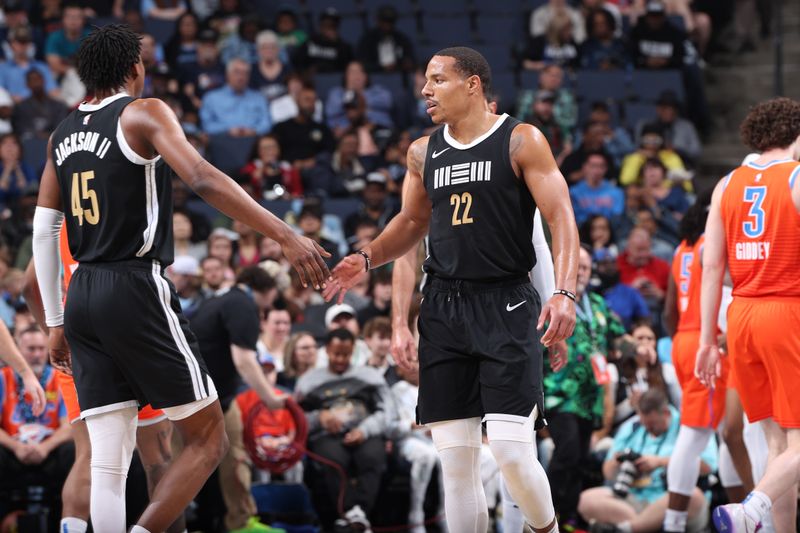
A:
(131, 344)
(479, 351)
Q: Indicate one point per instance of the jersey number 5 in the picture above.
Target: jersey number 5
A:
(755, 196)
(80, 192)
(456, 200)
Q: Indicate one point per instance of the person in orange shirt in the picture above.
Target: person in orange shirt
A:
(753, 229)
(153, 436)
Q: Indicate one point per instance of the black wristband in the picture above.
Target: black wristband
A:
(562, 292)
(367, 260)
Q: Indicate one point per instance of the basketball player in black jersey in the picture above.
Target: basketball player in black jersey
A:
(130, 342)
(474, 185)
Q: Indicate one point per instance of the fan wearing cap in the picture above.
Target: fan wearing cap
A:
(543, 117)
(375, 205)
(384, 47)
(679, 133)
(14, 71)
(206, 72)
(184, 273)
(325, 50)
(344, 316)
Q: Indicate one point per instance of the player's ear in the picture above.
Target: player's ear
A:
(473, 83)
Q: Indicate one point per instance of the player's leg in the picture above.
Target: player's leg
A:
(113, 439)
(733, 435)
(650, 518)
(511, 442)
(202, 431)
(729, 476)
(599, 504)
(75, 495)
(682, 474)
(234, 473)
(459, 444)
(154, 443)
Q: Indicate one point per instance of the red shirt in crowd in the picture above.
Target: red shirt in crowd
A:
(656, 270)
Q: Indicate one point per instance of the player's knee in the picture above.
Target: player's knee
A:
(732, 435)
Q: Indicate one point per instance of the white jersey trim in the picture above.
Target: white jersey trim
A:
(104, 102)
(177, 334)
(132, 156)
(458, 146)
(152, 208)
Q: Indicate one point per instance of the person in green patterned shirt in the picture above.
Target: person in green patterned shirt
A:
(574, 396)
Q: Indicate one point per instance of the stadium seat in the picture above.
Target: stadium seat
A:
(499, 29)
(408, 25)
(445, 8)
(638, 111)
(591, 86)
(394, 81)
(229, 153)
(452, 30)
(498, 56)
(34, 153)
(325, 81)
(528, 79)
(160, 29)
(351, 28)
(504, 86)
(647, 85)
(501, 7)
(344, 7)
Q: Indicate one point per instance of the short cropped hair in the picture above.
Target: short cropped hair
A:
(106, 57)
(653, 400)
(470, 62)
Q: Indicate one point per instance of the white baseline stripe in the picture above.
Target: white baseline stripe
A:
(151, 197)
(177, 334)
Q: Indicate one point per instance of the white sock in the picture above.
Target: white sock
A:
(625, 527)
(675, 520)
(139, 529)
(757, 505)
(71, 524)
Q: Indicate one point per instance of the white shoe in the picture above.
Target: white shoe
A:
(731, 518)
(357, 517)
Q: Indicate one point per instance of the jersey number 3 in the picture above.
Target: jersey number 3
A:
(81, 192)
(457, 200)
(755, 196)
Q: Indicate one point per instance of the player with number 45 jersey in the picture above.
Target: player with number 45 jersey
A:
(753, 228)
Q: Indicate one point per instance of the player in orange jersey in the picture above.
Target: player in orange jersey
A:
(702, 409)
(753, 228)
(153, 436)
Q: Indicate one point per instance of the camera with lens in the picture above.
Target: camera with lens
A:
(627, 473)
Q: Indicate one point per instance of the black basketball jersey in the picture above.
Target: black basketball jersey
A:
(117, 205)
(482, 221)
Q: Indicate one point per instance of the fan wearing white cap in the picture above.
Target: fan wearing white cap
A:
(344, 316)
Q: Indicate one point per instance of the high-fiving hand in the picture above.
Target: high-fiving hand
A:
(306, 255)
(345, 276)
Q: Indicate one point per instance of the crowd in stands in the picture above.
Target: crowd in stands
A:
(311, 108)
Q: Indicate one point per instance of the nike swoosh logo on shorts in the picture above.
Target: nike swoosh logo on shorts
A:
(510, 307)
(436, 154)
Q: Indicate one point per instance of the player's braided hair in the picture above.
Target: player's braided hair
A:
(693, 223)
(106, 57)
(772, 124)
(470, 62)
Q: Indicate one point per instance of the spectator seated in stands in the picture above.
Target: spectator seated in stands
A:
(593, 142)
(596, 233)
(593, 194)
(325, 50)
(624, 300)
(38, 115)
(290, 34)
(376, 204)
(276, 325)
(222, 245)
(679, 134)
(666, 199)
(241, 44)
(655, 42)
(543, 117)
(541, 17)
(603, 49)
(349, 409)
(616, 140)
(378, 336)
(344, 316)
(565, 109)
(270, 71)
(33, 450)
(235, 109)
(247, 249)
(380, 295)
(652, 145)
(385, 48)
(271, 177)
(15, 174)
(206, 72)
(635, 467)
(13, 73)
(62, 45)
(556, 46)
(181, 49)
(377, 100)
(184, 273)
(642, 270)
(299, 356)
(414, 444)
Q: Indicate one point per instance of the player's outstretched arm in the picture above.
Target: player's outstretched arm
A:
(531, 156)
(707, 366)
(400, 235)
(150, 125)
(46, 228)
